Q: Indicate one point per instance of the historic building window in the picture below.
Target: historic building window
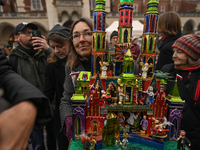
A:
(93, 4)
(176, 8)
(36, 4)
(1, 9)
(162, 8)
(135, 8)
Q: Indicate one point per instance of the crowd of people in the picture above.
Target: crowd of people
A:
(38, 82)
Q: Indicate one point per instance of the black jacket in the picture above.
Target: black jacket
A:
(53, 89)
(166, 51)
(16, 89)
(191, 113)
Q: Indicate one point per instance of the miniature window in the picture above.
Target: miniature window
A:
(126, 20)
(152, 23)
(98, 59)
(104, 20)
(122, 13)
(95, 22)
(100, 21)
(104, 42)
(151, 44)
(126, 13)
(150, 68)
(125, 36)
(145, 44)
(121, 20)
(98, 43)
(147, 24)
(93, 42)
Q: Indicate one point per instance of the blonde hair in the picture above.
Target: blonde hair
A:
(169, 23)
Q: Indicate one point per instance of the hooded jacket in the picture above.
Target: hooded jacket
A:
(30, 68)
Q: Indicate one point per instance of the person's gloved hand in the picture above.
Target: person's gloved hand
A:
(68, 125)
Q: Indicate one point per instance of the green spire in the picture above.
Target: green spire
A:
(152, 6)
(174, 95)
(100, 5)
(121, 1)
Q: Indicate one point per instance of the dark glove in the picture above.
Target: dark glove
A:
(68, 125)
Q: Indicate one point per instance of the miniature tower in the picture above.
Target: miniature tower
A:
(99, 36)
(175, 111)
(127, 78)
(78, 109)
(124, 33)
(149, 36)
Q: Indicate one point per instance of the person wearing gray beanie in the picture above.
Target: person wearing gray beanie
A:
(58, 38)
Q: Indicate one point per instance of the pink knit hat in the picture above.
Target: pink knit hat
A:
(190, 44)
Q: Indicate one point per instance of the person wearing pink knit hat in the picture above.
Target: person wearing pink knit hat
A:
(186, 71)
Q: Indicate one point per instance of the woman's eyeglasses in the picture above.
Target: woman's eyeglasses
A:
(76, 37)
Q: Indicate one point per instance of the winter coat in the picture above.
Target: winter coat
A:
(16, 90)
(166, 51)
(188, 86)
(53, 88)
(30, 68)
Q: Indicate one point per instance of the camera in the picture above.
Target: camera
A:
(36, 33)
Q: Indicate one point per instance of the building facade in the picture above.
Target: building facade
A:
(46, 13)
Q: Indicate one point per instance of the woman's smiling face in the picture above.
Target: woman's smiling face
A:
(83, 46)
(179, 57)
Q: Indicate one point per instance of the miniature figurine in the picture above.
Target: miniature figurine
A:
(144, 123)
(150, 95)
(117, 142)
(135, 96)
(158, 131)
(121, 95)
(182, 140)
(121, 118)
(104, 68)
(145, 68)
(160, 94)
(127, 98)
(125, 141)
(131, 118)
(110, 89)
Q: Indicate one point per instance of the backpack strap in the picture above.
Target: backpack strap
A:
(13, 59)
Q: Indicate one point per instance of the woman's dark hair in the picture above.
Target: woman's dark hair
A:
(169, 23)
(73, 59)
(58, 39)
